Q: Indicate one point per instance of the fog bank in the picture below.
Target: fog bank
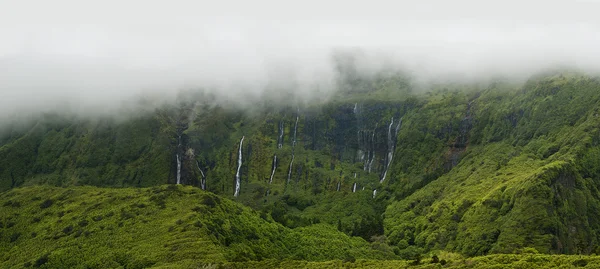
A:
(94, 57)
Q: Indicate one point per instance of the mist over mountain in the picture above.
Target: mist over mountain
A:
(94, 57)
(266, 134)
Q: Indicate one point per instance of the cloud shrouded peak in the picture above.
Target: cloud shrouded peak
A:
(95, 55)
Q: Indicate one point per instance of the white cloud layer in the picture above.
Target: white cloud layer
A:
(95, 55)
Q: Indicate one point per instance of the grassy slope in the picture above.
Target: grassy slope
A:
(183, 227)
(90, 227)
(528, 178)
(511, 261)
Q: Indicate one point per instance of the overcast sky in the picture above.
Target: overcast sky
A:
(98, 54)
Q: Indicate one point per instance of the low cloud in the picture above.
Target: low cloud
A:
(96, 57)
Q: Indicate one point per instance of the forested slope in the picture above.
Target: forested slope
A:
(468, 168)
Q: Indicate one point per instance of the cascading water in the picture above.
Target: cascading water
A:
(390, 151)
(370, 152)
(360, 152)
(391, 145)
(280, 139)
(398, 128)
(203, 180)
(290, 170)
(296, 128)
(178, 158)
(371, 162)
(354, 187)
(237, 173)
(338, 186)
(374, 193)
(293, 147)
(274, 167)
(178, 170)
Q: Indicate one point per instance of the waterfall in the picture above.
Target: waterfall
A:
(391, 144)
(360, 153)
(370, 153)
(371, 162)
(178, 170)
(293, 147)
(237, 174)
(338, 186)
(354, 187)
(274, 166)
(290, 171)
(354, 174)
(203, 180)
(374, 193)
(280, 139)
(178, 159)
(296, 128)
(398, 127)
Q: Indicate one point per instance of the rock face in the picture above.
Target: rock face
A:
(473, 171)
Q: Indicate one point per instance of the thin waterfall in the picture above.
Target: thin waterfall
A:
(203, 180)
(237, 174)
(296, 128)
(178, 170)
(398, 127)
(390, 151)
(178, 159)
(354, 187)
(293, 147)
(371, 153)
(338, 186)
(360, 153)
(371, 162)
(391, 146)
(280, 139)
(274, 167)
(290, 171)
(374, 193)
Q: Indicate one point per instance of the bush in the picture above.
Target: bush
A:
(68, 229)
(14, 237)
(83, 223)
(41, 260)
(46, 203)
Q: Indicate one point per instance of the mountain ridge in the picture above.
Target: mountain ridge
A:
(470, 169)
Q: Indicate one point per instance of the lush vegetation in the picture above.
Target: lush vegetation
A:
(90, 227)
(496, 170)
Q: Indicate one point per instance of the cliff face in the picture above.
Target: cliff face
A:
(469, 169)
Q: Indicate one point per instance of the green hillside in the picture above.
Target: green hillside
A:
(90, 227)
(384, 169)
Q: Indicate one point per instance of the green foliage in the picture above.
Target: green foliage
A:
(476, 170)
(525, 181)
(138, 228)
